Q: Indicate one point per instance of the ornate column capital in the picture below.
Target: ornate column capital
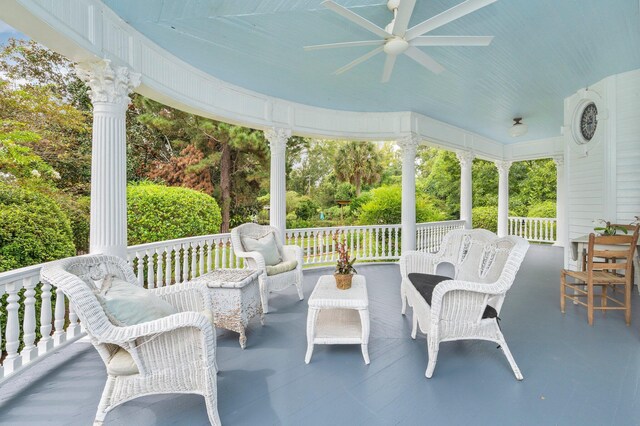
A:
(559, 160)
(503, 166)
(277, 137)
(465, 157)
(108, 84)
(409, 143)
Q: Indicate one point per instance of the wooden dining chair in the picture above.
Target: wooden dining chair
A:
(607, 257)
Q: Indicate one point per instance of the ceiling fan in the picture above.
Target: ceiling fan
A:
(396, 38)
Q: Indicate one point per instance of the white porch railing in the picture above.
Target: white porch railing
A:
(429, 235)
(38, 318)
(535, 229)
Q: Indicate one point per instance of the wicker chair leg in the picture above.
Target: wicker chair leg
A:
(432, 351)
(403, 297)
(512, 362)
(414, 329)
(264, 296)
(299, 286)
(103, 406)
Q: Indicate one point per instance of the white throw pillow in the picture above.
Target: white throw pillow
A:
(266, 246)
(128, 304)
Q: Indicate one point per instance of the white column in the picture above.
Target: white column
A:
(409, 146)
(277, 138)
(561, 218)
(110, 89)
(503, 197)
(466, 200)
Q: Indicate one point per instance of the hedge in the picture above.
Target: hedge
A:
(158, 213)
(33, 229)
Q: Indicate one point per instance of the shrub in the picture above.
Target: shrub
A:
(485, 217)
(544, 209)
(78, 210)
(385, 207)
(307, 209)
(33, 229)
(157, 213)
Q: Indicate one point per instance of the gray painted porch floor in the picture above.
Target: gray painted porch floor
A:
(574, 374)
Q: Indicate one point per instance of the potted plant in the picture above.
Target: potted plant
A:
(344, 268)
(608, 229)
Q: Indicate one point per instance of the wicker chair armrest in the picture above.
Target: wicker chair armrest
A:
(254, 259)
(186, 296)
(417, 261)
(464, 294)
(293, 252)
(124, 336)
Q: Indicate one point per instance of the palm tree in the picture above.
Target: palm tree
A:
(358, 163)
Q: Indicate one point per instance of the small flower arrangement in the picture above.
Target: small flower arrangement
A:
(344, 267)
(608, 229)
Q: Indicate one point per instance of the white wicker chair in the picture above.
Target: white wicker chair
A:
(255, 260)
(174, 354)
(485, 267)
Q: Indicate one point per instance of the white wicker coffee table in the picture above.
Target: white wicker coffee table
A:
(236, 298)
(338, 317)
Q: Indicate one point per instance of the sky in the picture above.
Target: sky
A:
(6, 32)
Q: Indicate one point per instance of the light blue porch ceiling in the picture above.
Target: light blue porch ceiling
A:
(543, 51)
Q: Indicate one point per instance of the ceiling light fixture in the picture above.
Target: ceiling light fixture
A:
(518, 128)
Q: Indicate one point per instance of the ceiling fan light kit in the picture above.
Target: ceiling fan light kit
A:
(397, 38)
(518, 128)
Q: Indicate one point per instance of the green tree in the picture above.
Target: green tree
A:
(358, 163)
(40, 93)
(233, 158)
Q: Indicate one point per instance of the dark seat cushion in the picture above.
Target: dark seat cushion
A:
(426, 283)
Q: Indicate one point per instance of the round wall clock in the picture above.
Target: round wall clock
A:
(589, 121)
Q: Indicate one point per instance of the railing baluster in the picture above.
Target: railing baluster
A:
(168, 265)
(30, 351)
(45, 343)
(185, 262)
(74, 327)
(59, 335)
(12, 334)
(159, 268)
(151, 282)
(140, 268)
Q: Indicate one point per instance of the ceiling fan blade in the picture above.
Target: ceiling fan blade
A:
(346, 44)
(423, 59)
(388, 68)
(355, 18)
(451, 41)
(447, 16)
(361, 59)
(402, 17)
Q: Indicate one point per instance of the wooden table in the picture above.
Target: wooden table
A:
(236, 298)
(338, 317)
(579, 249)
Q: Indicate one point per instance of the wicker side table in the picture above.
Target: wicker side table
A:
(235, 297)
(338, 317)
